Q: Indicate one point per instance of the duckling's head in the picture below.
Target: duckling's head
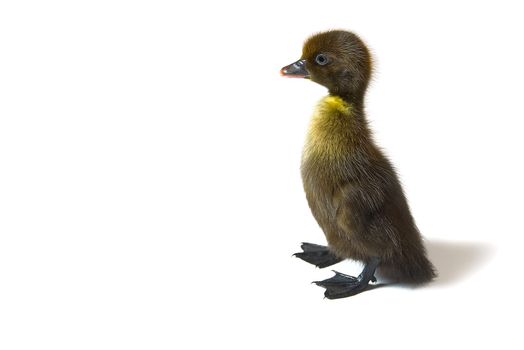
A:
(336, 59)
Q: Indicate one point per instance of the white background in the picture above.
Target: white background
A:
(150, 195)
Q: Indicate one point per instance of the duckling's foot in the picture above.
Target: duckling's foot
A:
(318, 255)
(341, 285)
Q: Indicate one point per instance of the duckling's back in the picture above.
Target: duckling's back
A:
(355, 196)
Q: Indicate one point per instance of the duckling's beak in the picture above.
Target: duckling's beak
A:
(295, 70)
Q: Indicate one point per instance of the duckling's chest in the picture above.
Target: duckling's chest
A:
(330, 136)
(326, 158)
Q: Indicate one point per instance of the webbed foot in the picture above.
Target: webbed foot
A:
(318, 255)
(341, 285)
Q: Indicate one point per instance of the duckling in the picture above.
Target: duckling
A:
(351, 187)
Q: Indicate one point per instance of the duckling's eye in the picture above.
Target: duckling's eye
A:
(321, 59)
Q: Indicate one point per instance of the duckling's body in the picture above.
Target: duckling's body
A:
(351, 187)
(355, 196)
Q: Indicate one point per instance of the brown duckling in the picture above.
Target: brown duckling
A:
(351, 187)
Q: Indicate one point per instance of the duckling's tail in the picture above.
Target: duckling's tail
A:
(413, 268)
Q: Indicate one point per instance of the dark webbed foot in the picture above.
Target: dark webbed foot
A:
(318, 255)
(341, 285)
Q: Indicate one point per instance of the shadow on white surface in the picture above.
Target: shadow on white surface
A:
(456, 260)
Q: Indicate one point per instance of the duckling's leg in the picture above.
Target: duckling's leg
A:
(318, 255)
(341, 285)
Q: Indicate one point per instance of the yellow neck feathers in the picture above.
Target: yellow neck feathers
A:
(334, 103)
(330, 129)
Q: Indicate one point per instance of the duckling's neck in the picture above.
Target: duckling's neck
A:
(338, 128)
(341, 115)
(355, 100)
